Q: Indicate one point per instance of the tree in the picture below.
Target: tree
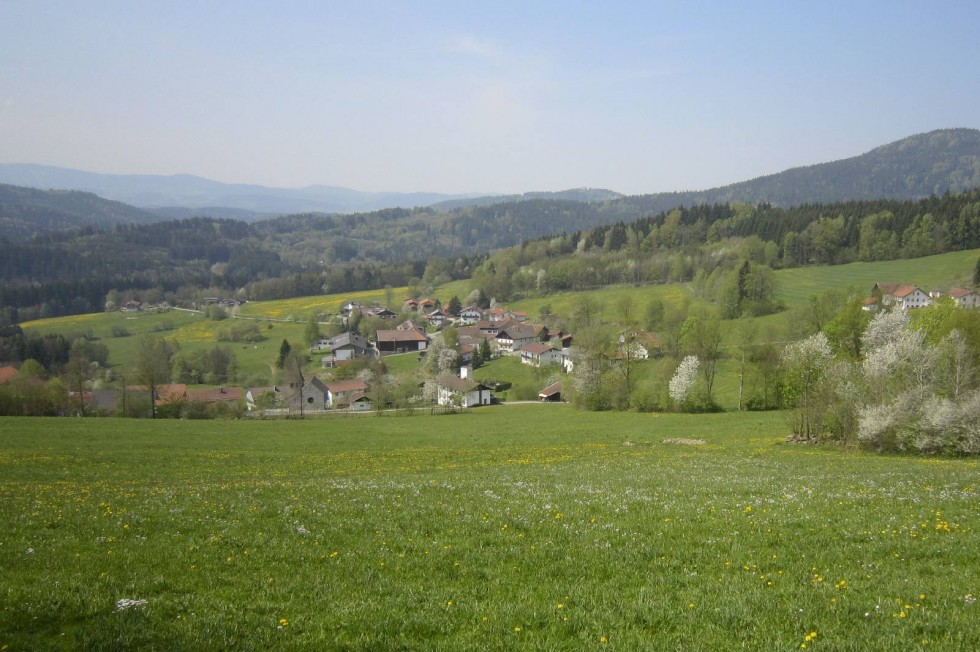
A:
(805, 363)
(702, 336)
(153, 366)
(653, 319)
(976, 273)
(454, 306)
(294, 382)
(312, 331)
(684, 378)
(844, 331)
(284, 350)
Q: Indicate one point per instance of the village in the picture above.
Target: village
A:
(466, 337)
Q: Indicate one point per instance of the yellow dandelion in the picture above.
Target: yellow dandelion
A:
(283, 622)
(603, 639)
(559, 606)
(517, 629)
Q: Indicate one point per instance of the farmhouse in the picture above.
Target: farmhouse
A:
(400, 341)
(902, 295)
(965, 297)
(340, 393)
(464, 392)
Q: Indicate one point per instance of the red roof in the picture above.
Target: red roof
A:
(354, 385)
(959, 293)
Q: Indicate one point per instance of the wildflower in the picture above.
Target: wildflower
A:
(283, 622)
(559, 606)
(517, 629)
(603, 639)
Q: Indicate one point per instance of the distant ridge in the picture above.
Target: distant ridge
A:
(933, 163)
(25, 212)
(189, 191)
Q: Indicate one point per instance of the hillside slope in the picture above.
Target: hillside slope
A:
(25, 212)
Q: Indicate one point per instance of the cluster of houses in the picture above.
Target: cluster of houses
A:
(906, 296)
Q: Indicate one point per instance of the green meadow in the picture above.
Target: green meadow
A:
(512, 527)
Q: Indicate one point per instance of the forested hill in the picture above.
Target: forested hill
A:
(934, 163)
(26, 212)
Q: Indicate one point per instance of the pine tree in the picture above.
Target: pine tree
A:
(284, 350)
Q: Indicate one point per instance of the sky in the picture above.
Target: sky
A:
(465, 96)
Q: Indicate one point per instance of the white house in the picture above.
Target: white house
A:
(464, 392)
(470, 315)
(965, 297)
(540, 353)
(902, 295)
(515, 336)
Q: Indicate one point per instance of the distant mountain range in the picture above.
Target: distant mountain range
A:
(927, 164)
(186, 191)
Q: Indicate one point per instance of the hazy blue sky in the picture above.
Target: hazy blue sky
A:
(478, 96)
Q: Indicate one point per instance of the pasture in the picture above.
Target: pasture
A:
(515, 527)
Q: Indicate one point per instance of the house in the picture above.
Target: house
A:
(870, 304)
(427, 304)
(132, 306)
(540, 353)
(965, 297)
(315, 395)
(410, 304)
(551, 393)
(568, 359)
(360, 402)
(515, 336)
(470, 315)
(344, 348)
(902, 295)
(340, 393)
(258, 397)
(464, 392)
(378, 311)
(349, 307)
(400, 341)
(438, 316)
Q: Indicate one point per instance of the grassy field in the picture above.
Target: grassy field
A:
(519, 527)
(931, 272)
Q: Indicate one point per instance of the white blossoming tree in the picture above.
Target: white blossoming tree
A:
(684, 378)
(806, 363)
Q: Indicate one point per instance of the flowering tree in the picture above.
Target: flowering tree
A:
(806, 362)
(684, 378)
